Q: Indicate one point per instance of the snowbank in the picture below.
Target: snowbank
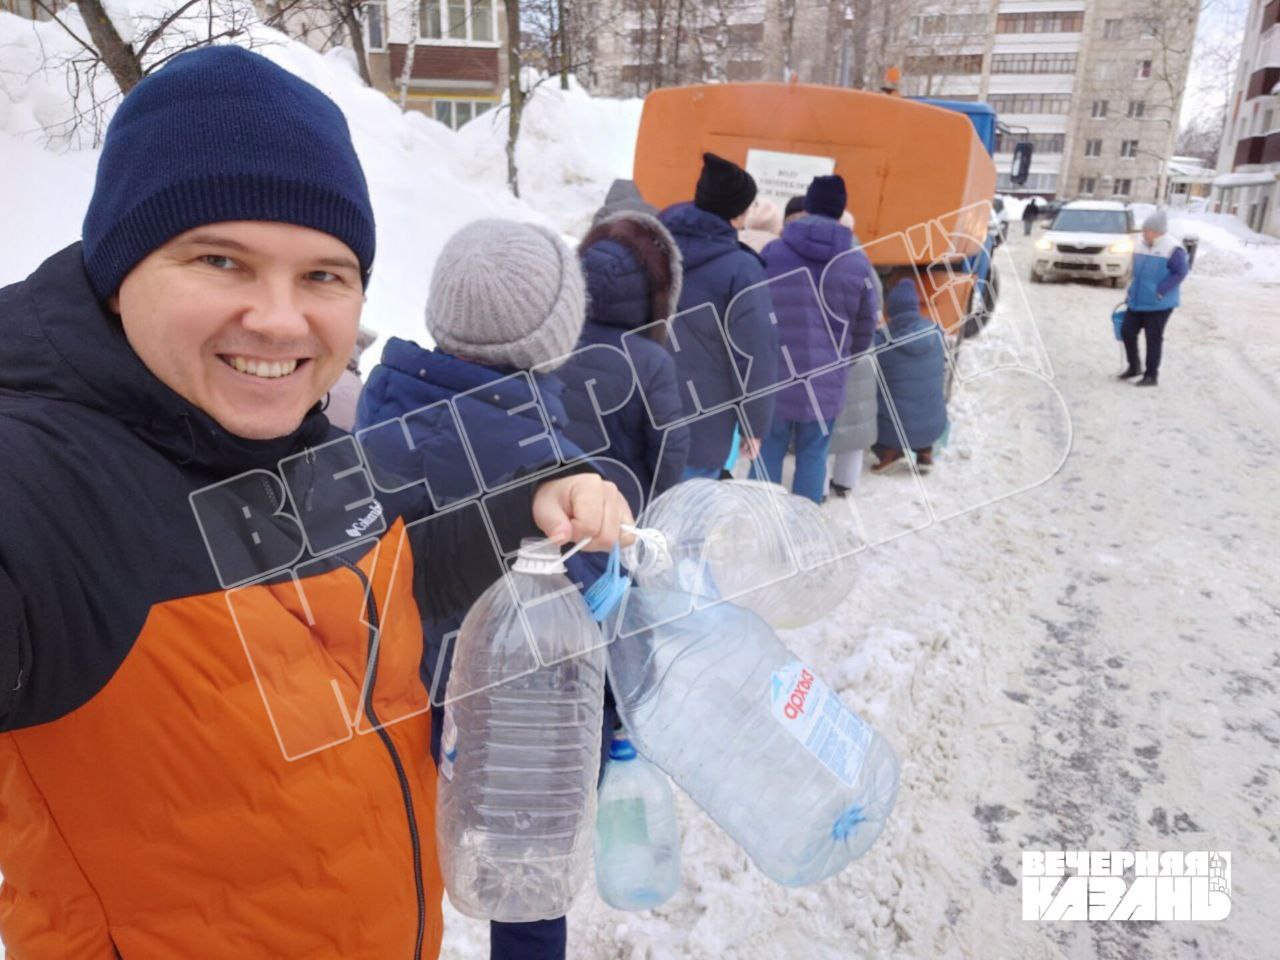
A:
(426, 181)
(572, 147)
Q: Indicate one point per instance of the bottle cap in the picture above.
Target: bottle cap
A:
(621, 749)
(539, 557)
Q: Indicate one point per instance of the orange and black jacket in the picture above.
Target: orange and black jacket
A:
(188, 771)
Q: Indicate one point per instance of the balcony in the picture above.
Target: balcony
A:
(1270, 15)
(1249, 150)
(1271, 150)
(1261, 82)
(1269, 49)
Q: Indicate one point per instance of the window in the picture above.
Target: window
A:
(1092, 221)
(968, 63)
(1040, 142)
(1268, 121)
(1036, 183)
(953, 24)
(1033, 63)
(375, 24)
(1150, 28)
(1070, 21)
(1143, 70)
(454, 113)
(1099, 109)
(463, 21)
(1030, 102)
(1128, 148)
(1088, 184)
(1137, 108)
(1122, 188)
(1111, 29)
(1093, 148)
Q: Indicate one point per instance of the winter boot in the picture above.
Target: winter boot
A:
(1148, 380)
(839, 490)
(887, 459)
(1131, 372)
(924, 460)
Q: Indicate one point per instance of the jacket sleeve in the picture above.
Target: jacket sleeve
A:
(752, 332)
(15, 647)
(665, 466)
(1177, 272)
(864, 318)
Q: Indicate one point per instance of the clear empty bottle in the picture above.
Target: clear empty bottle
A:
(637, 833)
(751, 734)
(755, 544)
(520, 747)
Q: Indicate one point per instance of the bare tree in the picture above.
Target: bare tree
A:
(100, 49)
(515, 92)
(411, 52)
(324, 24)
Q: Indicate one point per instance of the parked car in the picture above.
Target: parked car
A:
(1088, 240)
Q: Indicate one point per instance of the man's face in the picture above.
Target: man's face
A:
(1150, 237)
(251, 322)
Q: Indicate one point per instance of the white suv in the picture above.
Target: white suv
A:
(1088, 240)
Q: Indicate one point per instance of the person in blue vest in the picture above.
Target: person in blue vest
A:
(826, 306)
(720, 271)
(633, 275)
(1159, 267)
(912, 361)
(505, 297)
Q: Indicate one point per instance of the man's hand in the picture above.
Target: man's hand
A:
(749, 447)
(584, 505)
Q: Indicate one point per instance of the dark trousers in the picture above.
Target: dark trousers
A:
(1153, 322)
(539, 940)
(1026, 227)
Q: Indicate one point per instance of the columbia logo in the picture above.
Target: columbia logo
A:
(361, 526)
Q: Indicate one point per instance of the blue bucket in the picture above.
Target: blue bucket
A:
(1117, 319)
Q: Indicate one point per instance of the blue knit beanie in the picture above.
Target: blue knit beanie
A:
(221, 134)
(826, 196)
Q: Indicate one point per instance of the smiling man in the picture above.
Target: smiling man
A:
(187, 771)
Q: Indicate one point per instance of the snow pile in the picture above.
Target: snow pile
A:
(425, 180)
(572, 147)
(1227, 247)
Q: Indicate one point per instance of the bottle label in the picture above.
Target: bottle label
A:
(813, 713)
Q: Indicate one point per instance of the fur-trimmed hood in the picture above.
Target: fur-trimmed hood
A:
(633, 270)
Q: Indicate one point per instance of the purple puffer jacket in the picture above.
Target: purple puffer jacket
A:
(809, 335)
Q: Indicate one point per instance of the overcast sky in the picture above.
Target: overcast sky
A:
(1222, 21)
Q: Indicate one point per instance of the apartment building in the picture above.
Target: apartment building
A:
(459, 56)
(1096, 86)
(1249, 160)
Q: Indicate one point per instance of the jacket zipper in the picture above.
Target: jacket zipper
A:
(406, 794)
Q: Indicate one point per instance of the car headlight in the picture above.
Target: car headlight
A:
(1044, 244)
(1123, 246)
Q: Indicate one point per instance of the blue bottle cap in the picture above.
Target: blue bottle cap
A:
(621, 749)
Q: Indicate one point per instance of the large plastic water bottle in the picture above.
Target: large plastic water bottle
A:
(755, 544)
(520, 746)
(752, 734)
(637, 833)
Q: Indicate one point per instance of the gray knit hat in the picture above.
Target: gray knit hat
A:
(506, 293)
(1158, 222)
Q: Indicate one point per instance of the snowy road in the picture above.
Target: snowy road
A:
(1092, 663)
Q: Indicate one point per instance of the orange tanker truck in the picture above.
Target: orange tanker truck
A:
(920, 176)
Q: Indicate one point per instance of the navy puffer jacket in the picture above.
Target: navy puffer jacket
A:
(717, 268)
(912, 359)
(633, 274)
